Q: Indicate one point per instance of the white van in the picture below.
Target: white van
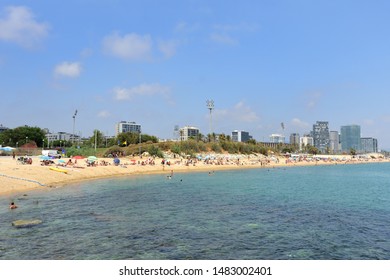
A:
(51, 153)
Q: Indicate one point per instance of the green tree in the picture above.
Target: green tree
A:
(60, 143)
(98, 139)
(222, 137)
(251, 141)
(22, 135)
(199, 137)
(312, 150)
(214, 136)
(155, 151)
(127, 138)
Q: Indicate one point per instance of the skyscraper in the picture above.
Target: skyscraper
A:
(294, 139)
(369, 145)
(350, 138)
(321, 136)
(334, 144)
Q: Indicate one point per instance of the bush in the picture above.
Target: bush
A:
(113, 150)
(202, 146)
(189, 147)
(155, 151)
(216, 147)
(176, 149)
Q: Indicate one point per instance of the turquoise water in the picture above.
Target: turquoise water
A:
(319, 212)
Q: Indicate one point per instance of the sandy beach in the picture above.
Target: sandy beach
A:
(16, 178)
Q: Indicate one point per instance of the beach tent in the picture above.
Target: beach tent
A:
(7, 149)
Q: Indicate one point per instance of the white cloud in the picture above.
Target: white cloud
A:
(224, 39)
(242, 27)
(168, 48)
(239, 113)
(299, 124)
(87, 52)
(18, 25)
(228, 34)
(130, 46)
(184, 27)
(68, 69)
(104, 114)
(314, 98)
(141, 90)
(244, 113)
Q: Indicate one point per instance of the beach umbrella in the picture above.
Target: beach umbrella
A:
(7, 149)
(45, 158)
(78, 157)
(92, 158)
(61, 161)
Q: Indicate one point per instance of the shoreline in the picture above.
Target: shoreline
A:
(18, 178)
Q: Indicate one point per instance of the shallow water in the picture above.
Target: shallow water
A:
(319, 212)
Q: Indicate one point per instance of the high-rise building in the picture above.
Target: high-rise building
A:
(305, 141)
(294, 139)
(369, 145)
(188, 132)
(334, 142)
(240, 136)
(350, 138)
(277, 138)
(124, 126)
(320, 135)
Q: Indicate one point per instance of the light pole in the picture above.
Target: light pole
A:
(74, 124)
(95, 140)
(210, 106)
(140, 143)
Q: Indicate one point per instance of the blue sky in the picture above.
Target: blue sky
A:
(157, 62)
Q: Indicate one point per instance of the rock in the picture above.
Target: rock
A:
(25, 223)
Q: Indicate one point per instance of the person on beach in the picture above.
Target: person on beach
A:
(13, 205)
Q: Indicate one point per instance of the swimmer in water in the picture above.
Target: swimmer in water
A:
(13, 206)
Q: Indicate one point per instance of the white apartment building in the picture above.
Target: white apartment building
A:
(188, 132)
(305, 141)
(125, 126)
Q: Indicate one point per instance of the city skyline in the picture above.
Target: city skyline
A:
(262, 63)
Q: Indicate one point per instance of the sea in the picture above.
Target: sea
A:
(338, 212)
